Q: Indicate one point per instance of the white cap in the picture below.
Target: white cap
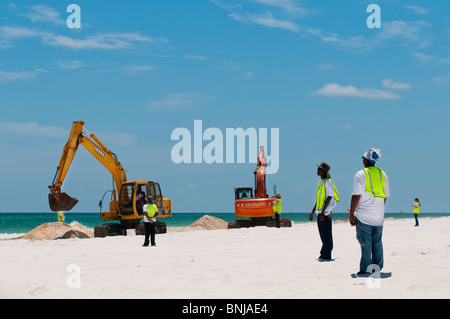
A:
(373, 155)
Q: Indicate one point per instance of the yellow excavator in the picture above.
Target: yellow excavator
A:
(126, 204)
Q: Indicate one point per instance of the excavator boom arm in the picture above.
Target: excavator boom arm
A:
(260, 187)
(61, 201)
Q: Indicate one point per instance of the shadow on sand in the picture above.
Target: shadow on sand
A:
(381, 275)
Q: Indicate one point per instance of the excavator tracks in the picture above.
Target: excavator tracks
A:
(116, 229)
(259, 221)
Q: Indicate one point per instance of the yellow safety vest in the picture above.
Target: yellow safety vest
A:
(416, 210)
(321, 193)
(277, 206)
(61, 218)
(153, 210)
(375, 181)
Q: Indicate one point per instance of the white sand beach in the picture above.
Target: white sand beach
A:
(239, 263)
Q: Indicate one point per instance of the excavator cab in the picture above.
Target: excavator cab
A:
(158, 199)
(243, 192)
(132, 194)
(127, 199)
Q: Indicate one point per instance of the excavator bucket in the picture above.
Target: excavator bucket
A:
(61, 202)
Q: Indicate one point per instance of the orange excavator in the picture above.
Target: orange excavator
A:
(126, 204)
(258, 206)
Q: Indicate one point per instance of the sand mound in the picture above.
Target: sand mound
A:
(52, 231)
(210, 223)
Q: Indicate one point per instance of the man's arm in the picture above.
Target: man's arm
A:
(156, 214)
(311, 216)
(325, 205)
(146, 212)
(353, 205)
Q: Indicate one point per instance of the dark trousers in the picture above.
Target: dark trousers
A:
(149, 232)
(277, 218)
(416, 216)
(325, 231)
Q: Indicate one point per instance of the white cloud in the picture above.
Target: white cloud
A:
(106, 41)
(334, 89)
(288, 5)
(422, 56)
(348, 43)
(394, 85)
(11, 76)
(43, 13)
(110, 41)
(228, 7)
(405, 31)
(179, 102)
(195, 57)
(267, 20)
(70, 65)
(326, 66)
(7, 32)
(392, 32)
(417, 9)
(443, 79)
(427, 58)
(33, 129)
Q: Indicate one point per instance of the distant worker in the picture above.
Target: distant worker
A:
(326, 199)
(277, 208)
(370, 191)
(61, 217)
(150, 213)
(416, 210)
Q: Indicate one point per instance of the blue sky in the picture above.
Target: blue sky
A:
(137, 70)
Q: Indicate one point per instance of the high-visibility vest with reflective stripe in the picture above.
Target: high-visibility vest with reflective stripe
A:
(321, 193)
(61, 217)
(416, 210)
(375, 181)
(277, 206)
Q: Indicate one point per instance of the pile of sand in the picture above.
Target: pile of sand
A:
(209, 223)
(52, 231)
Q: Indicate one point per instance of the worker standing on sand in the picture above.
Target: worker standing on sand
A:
(277, 208)
(370, 191)
(416, 210)
(61, 217)
(150, 213)
(326, 199)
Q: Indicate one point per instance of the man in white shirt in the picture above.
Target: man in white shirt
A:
(150, 213)
(370, 191)
(325, 202)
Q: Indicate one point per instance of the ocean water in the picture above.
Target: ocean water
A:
(12, 224)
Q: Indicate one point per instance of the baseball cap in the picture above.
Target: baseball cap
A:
(372, 155)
